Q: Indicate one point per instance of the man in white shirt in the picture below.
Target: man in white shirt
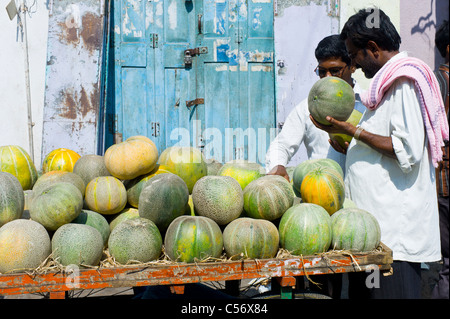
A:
(390, 170)
(333, 60)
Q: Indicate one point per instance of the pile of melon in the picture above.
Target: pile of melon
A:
(134, 205)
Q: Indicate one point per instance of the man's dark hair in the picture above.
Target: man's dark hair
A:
(441, 39)
(371, 25)
(332, 47)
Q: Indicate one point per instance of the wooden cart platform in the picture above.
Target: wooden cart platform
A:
(57, 283)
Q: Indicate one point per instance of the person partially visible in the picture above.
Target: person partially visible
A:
(440, 291)
(333, 60)
(391, 160)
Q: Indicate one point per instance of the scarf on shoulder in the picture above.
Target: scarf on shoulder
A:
(430, 99)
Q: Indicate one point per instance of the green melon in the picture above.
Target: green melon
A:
(250, 238)
(163, 199)
(56, 205)
(219, 198)
(127, 213)
(306, 166)
(186, 162)
(77, 244)
(213, 166)
(325, 187)
(96, 220)
(12, 198)
(354, 119)
(355, 229)
(15, 160)
(106, 195)
(305, 229)
(268, 197)
(90, 166)
(58, 176)
(193, 238)
(331, 96)
(24, 245)
(135, 240)
(242, 170)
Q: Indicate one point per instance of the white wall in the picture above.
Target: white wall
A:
(13, 96)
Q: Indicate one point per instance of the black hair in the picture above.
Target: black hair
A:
(371, 24)
(332, 47)
(441, 39)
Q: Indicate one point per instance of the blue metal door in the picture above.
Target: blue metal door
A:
(197, 73)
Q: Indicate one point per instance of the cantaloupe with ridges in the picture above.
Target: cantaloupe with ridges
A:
(331, 96)
(219, 198)
(305, 229)
(106, 195)
(53, 177)
(12, 199)
(24, 245)
(193, 238)
(325, 187)
(163, 199)
(135, 240)
(242, 170)
(126, 213)
(268, 197)
(134, 186)
(15, 160)
(60, 159)
(186, 162)
(90, 166)
(56, 205)
(96, 220)
(77, 244)
(355, 229)
(131, 158)
(251, 238)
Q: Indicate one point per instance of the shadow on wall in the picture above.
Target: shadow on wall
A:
(438, 12)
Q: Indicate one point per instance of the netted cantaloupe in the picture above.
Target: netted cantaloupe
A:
(90, 166)
(12, 199)
(127, 213)
(96, 220)
(305, 229)
(24, 245)
(106, 195)
(219, 198)
(163, 199)
(135, 240)
(250, 238)
(58, 176)
(268, 197)
(56, 205)
(77, 244)
(60, 159)
(193, 238)
(131, 158)
(242, 170)
(186, 162)
(15, 160)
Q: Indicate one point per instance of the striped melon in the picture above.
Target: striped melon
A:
(250, 238)
(12, 198)
(53, 177)
(15, 160)
(242, 170)
(305, 229)
(268, 197)
(60, 159)
(106, 195)
(24, 245)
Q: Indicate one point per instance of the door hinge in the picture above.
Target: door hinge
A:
(190, 53)
(155, 129)
(154, 40)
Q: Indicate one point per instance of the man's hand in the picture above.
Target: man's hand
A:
(279, 170)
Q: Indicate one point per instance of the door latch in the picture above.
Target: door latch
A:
(190, 53)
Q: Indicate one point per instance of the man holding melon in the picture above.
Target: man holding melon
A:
(333, 60)
(391, 160)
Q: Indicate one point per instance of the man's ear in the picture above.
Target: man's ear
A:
(374, 48)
